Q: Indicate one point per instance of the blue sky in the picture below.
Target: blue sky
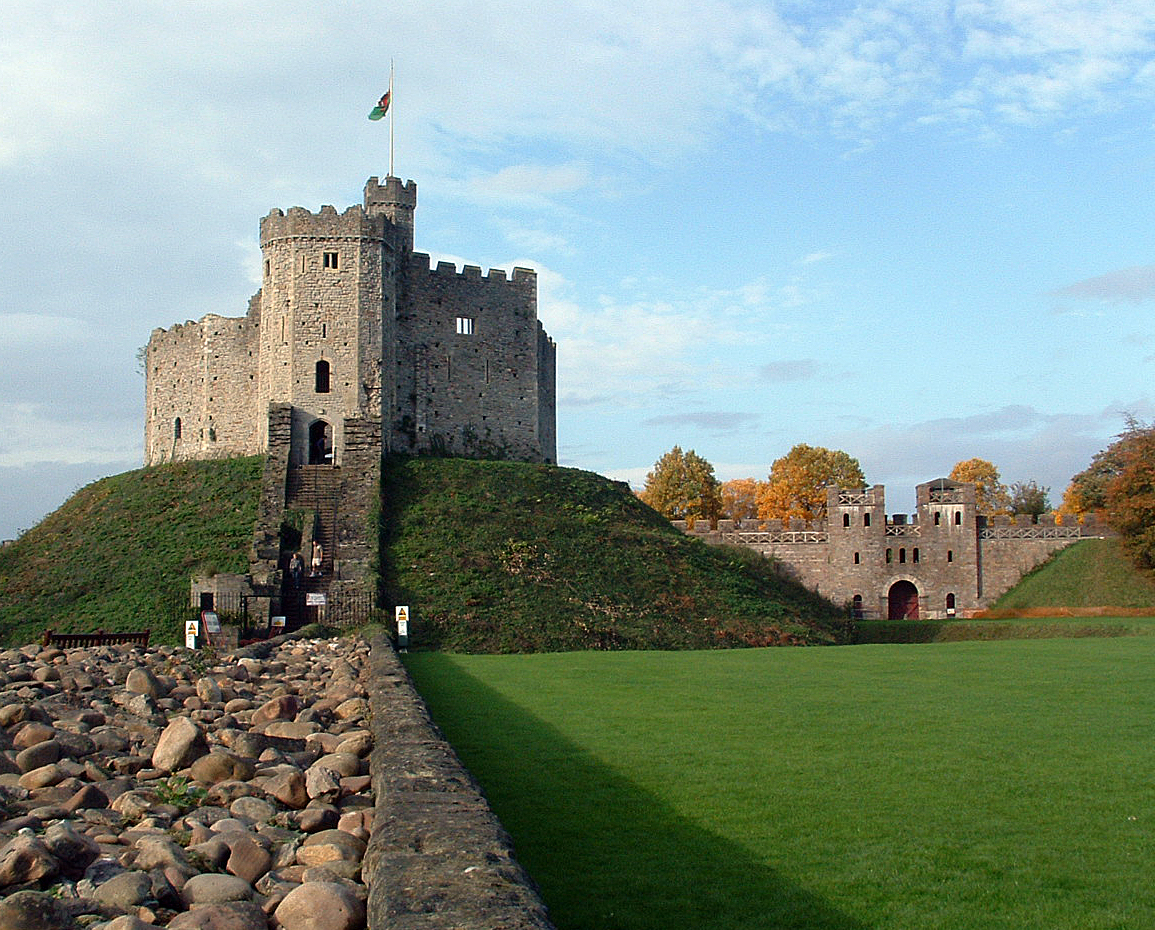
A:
(915, 231)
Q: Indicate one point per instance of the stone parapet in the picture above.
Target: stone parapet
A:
(437, 857)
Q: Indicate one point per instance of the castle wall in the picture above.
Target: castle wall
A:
(201, 374)
(467, 363)
(954, 559)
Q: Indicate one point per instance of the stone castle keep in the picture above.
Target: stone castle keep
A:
(352, 348)
(948, 560)
(350, 324)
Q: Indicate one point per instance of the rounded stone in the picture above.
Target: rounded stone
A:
(213, 888)
(258, 810)
(229, 915)
(314, 905)
(33, 910)
(125, 890)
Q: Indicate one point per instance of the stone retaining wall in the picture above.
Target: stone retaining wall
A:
(437, 857)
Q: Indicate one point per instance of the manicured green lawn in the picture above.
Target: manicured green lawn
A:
(958, 785)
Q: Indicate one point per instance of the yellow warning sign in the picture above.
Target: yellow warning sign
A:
(191, 628)
(402, 614)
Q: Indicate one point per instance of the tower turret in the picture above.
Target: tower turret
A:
(395, 201)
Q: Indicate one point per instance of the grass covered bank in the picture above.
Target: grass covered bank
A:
(994, 785)
(515, 557)
(1090, 574)
(118, 551)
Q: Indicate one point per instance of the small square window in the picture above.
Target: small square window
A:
(465, 326)
(330, 260)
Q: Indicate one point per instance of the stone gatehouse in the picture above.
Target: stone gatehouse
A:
(944, 560)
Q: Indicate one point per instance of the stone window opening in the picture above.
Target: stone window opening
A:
(958, 518)
(950, 603)
(937, 518)
(324, 330)
(857, 558)
(329, 260)
(465, 326)
(914, 555)
(866, 519)
(321, 381)
(902, 556)
(889, 556)
(950, 555)
(846, 519)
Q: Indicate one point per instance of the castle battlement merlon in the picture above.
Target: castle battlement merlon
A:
(299, 223)
(497, 276)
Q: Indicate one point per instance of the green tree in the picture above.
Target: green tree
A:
(796, 487)
(990, 493)
(682, 486)
(1028, 497)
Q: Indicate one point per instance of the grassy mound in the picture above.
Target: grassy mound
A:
(512, 557)
(121, 549)
(1091, 574)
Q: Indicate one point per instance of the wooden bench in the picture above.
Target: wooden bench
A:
(99, 638)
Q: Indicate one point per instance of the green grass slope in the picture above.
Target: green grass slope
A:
(120, 551)
(1092, 573)
(513, 557)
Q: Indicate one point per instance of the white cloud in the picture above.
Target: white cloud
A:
(1127, 285)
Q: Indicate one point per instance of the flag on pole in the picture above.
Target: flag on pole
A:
(382, 107)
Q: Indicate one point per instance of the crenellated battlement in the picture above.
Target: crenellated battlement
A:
(394, 192)
(495, 276)
(300, 223)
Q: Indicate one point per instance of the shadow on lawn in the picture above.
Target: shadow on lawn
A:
(606, 854)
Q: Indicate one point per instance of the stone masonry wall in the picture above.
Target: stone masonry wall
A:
(203, 375)
(438, 858)
(953, 558)
(467, 363)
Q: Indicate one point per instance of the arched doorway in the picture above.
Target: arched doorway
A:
(902, 601)
(320, 443)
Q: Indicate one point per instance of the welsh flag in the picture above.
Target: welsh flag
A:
(382, 106)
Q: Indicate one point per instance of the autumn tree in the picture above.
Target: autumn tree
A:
(1130, 495)
(1087, 492)
(796, 487)
(1028, 497)
(682, 486)
(740, 499)
(991, 494)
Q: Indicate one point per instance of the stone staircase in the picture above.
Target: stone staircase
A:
(315, 490)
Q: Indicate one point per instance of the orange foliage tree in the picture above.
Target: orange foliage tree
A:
(991, 494)
(740, 499)
(796, 488)
(682, 486)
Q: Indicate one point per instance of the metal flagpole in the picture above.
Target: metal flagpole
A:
(392, 107)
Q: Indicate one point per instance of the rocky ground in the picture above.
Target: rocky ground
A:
(167, 787)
